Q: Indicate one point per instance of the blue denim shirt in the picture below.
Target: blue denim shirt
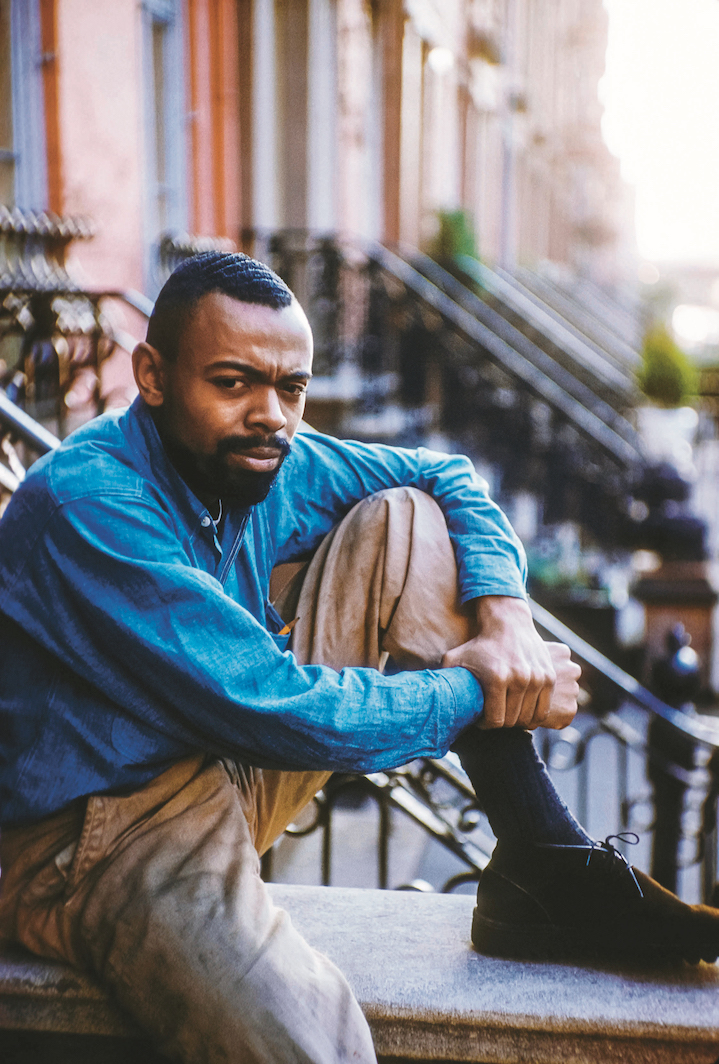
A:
(133, 632)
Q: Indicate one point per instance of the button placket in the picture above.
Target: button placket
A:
(207, 523)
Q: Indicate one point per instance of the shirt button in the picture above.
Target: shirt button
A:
(206, 521)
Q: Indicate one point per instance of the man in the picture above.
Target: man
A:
(158, 735)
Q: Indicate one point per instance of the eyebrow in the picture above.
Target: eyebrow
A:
(253, 372)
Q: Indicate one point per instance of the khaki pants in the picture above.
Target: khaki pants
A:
(159, 893)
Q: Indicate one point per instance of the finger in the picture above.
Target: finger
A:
(564, 705)
(538, 704)
(561, 656)
(559, 719)
(521, 700)
(543, 706)
(495, 705)
(568, 673)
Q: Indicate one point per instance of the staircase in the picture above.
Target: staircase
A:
(406, 351)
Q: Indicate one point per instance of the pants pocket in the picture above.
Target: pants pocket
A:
(88, 848)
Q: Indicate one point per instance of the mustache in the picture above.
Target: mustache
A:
(241, 444)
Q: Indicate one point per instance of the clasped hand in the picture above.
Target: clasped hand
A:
(527, 683)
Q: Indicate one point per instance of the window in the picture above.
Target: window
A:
(23, 164)
(165, 197)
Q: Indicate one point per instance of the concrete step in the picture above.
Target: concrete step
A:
(427, 994)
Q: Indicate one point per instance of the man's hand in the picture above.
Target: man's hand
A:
(527, 683)
(563, 703)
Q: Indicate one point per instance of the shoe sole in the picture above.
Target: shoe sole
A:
(553, 943)
(537, 942)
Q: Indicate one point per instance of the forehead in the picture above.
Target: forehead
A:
(219, 326)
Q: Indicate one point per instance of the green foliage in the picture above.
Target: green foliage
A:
(455, 236)
(667, 377)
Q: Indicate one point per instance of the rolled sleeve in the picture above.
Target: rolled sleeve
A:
(336, 474)
(175, 654)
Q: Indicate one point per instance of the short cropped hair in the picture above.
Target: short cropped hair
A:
(234, 275)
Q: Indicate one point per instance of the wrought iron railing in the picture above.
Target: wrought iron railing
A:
(570, 400)
(56, 335)
(21, 441)
(609, 367)
(635, 770)
(33, 249)
(383, 325)
(53, 331)
(437, 796)
(372, 313)
(613, 321)
(402, 356)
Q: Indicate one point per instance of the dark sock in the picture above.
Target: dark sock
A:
(514, 788)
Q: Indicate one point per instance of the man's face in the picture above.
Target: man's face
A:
(234, 397)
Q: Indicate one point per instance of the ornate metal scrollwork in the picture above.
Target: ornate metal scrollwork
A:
(54, 334)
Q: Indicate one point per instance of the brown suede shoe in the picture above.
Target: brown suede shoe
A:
(554, 902)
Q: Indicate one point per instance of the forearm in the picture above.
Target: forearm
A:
(334, 475)
(165, 644)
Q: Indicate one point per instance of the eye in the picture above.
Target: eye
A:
(228, 384)
(295, 388)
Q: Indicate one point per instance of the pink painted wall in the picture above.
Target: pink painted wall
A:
(100, 118)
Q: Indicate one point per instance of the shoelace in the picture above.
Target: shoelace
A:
(623, 865)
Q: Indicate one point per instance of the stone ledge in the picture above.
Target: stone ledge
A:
(429, 996)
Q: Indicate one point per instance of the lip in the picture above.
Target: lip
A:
(257, 460)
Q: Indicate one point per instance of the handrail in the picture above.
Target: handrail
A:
(31, 432)
(40, 440)
(547, 324)
(134, 299)
(562, 375)
(536, 381)
(683, 722)
(8, 481)
(578, 314)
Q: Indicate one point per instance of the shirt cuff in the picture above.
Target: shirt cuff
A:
(468, 701)
(516, 590)
(480, 575)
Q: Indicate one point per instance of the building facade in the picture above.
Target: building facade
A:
(221, 116)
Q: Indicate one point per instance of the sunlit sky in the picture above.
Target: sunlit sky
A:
(661, 97)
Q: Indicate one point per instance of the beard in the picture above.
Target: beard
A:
(214, 477)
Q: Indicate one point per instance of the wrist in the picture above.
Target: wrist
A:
(507, 609)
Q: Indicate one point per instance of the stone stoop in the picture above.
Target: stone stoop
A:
(427, 994)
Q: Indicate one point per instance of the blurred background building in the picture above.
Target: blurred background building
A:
(210, 116)
(431, 178)
(311, 132)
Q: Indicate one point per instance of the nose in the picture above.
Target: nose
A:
(266, 410)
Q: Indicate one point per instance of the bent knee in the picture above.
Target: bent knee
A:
(390, 503)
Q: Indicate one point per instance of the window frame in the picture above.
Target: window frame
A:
(166, 15)
(28, 150)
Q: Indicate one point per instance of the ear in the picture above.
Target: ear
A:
(150, 371)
